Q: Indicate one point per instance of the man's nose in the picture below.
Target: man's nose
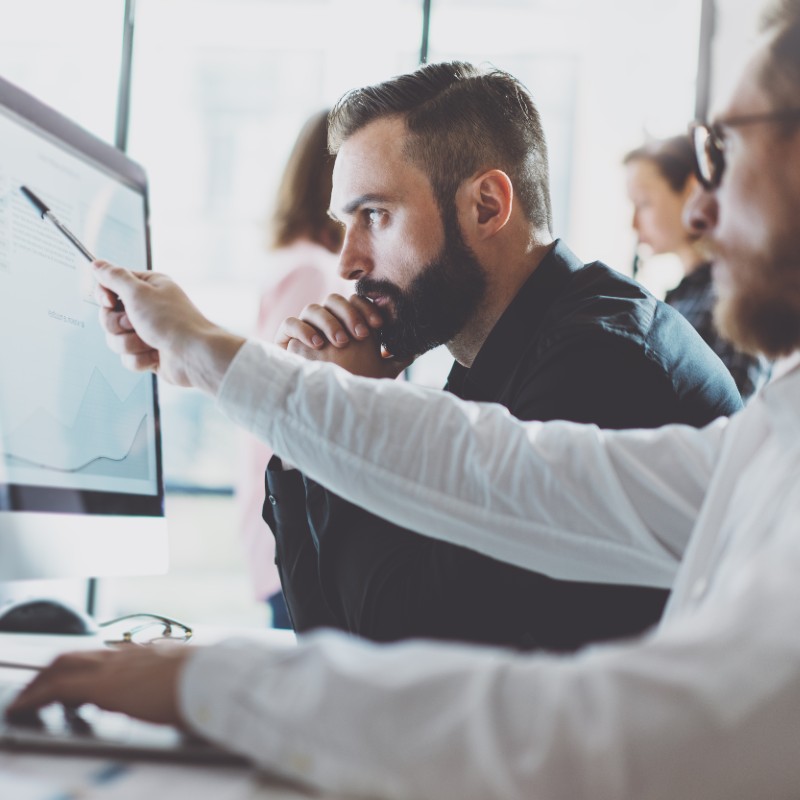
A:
(701, 212)
(354, 261)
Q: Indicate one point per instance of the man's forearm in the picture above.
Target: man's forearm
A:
(656, 718)
(470, 474)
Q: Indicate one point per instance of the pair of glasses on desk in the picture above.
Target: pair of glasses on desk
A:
(143, 629)
(131, 629)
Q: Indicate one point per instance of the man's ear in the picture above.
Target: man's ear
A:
(489, 200)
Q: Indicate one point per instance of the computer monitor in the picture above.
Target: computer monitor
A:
(81, 486)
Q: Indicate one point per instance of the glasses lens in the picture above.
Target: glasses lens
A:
(709, 155)
(705, 150)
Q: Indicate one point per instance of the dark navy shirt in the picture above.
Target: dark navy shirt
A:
(694, 297)
(578, 342)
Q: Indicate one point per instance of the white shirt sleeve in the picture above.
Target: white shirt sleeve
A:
(707, 707)
(568, 500)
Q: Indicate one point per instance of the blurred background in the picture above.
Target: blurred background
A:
(209, 95)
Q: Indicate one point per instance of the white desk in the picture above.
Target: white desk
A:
(36, 776)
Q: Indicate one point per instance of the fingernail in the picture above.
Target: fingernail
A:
(317, 341)
(341, 337)
(361, 330)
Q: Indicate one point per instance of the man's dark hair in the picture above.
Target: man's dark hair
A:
(673, 157)
(781, 75)
(461, 119)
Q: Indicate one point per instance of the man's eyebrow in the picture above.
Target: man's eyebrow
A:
(361, 200)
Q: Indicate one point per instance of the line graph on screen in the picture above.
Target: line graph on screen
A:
(107, 436)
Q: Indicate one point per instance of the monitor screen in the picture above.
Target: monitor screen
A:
(81, 456)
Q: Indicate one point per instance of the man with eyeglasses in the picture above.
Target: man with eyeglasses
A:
(707, 706)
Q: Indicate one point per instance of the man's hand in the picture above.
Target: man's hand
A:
(139, 681)
(160, 329)
(342, 332)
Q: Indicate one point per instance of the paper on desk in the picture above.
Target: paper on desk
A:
(22, 776)
(195, 782)
(25, 787)
(81, 778)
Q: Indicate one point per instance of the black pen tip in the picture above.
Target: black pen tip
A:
(34, 200)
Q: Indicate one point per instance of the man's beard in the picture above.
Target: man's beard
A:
(760, 312)
(437, 305)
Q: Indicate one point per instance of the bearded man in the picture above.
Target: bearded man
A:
(441, 186)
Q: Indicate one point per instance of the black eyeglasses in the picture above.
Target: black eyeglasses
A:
(709, 142)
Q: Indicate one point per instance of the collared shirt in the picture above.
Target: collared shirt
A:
(707, 706)
(579, 342)
(694, 297)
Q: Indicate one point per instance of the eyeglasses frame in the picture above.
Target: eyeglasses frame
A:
(148, 621)
(713, 133)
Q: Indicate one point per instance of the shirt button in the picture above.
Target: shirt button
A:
(273, 499)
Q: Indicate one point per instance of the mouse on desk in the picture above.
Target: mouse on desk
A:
(43, 615)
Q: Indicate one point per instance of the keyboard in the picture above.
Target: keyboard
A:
(92, 731)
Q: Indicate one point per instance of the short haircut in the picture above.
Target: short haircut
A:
(461, 119)
(781, 75)
(304, 193)
(673, 157)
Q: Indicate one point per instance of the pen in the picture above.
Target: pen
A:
(20, 665)
(47, 214)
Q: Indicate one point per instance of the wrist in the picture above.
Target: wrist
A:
(208, 356)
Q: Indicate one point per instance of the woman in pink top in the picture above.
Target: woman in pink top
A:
(304, 246)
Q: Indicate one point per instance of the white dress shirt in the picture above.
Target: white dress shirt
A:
(707, 706)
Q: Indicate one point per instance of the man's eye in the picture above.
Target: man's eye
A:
(374, 216)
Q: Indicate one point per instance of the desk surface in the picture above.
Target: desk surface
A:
(36, 776)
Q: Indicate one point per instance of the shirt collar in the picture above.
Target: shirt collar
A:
(782, 394)
(516, 328)
(784, 366)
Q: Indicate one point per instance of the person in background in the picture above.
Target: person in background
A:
(303, 243)
(660, 179)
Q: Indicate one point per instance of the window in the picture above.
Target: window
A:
(219, 90)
